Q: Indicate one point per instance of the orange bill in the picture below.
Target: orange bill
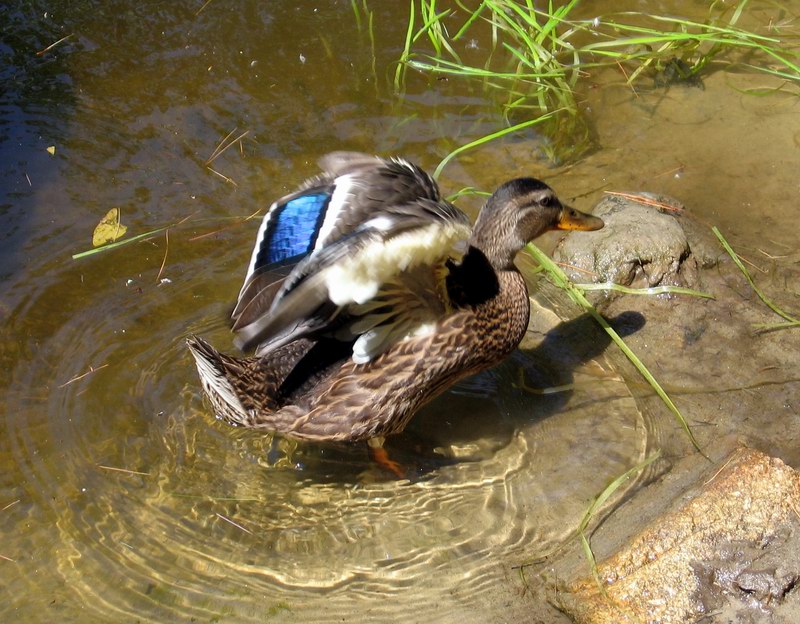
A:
(572, 219)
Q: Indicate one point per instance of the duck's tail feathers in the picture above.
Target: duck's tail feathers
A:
(213, 368)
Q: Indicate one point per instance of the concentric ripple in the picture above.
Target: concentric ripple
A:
(144, 506)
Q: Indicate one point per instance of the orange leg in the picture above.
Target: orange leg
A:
(381, 457)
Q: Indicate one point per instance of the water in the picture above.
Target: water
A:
(122, 498)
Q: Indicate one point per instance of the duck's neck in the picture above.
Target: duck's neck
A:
(495, 246)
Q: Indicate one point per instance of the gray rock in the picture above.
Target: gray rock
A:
(641, 245)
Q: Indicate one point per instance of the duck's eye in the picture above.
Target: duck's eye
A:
(547, 200)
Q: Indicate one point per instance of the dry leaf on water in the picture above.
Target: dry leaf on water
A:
(109, 229)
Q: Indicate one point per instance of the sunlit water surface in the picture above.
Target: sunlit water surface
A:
(122, 498)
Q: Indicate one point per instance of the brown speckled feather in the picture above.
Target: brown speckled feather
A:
(355, 402)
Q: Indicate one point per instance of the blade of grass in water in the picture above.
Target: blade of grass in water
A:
(598, 503)
(487, 138)
(119, 243)
(793, 321)
(653, 290)
(771, 326)
(473, 16)
(563, 282)
(398, 73)
(151, 233)
(443, 66)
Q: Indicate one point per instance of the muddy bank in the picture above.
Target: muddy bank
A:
(730, 553)
(725, 373)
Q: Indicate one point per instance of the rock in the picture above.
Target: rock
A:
(732, 548)
(641, 245)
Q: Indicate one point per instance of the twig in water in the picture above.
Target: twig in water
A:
(220, 149)
(224, 177)
(227, 227)
(752, 264)
(576, 268)
(125, 470)
(8, 559)
(716, 474)
(770, 256)
(645, 200)
(523, 385)
(89, 372)
(200, 10)
(238, 526)
(53, 45)
(678, 169)
(216, 151)
(11, 504)
(627, 78)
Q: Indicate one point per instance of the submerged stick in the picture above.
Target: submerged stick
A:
(166, 251)
(53, 45)
(77, 377)
(238, 526)
(125, 470)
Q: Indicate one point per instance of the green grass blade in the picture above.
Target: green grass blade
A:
(474, 15)
(561, 280)
(443, 66)
(771, 326)
(589, 554)
(653, 290)
(612, 487)
(118, 243)
(356, 14)
(486, 139)
(597, 503)
(768, 302)
(399, 72)
(467, 191)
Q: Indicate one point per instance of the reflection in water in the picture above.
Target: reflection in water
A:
(121, 498)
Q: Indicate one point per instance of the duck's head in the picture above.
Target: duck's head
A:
(519, 211)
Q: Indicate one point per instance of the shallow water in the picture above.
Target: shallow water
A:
(122, 498)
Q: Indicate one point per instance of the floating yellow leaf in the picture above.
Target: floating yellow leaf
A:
(109, 229)
(51, 150)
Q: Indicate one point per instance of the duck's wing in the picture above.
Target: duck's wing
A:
(327, 250)
(350, 189)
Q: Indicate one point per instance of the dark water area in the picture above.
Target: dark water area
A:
(121, 497)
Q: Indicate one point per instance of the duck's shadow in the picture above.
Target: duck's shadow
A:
(480, 415)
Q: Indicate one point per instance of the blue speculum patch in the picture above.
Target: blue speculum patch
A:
(293, 229)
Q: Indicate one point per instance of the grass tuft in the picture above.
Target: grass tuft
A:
(536, 59)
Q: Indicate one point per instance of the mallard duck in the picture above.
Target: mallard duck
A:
(368, 294)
